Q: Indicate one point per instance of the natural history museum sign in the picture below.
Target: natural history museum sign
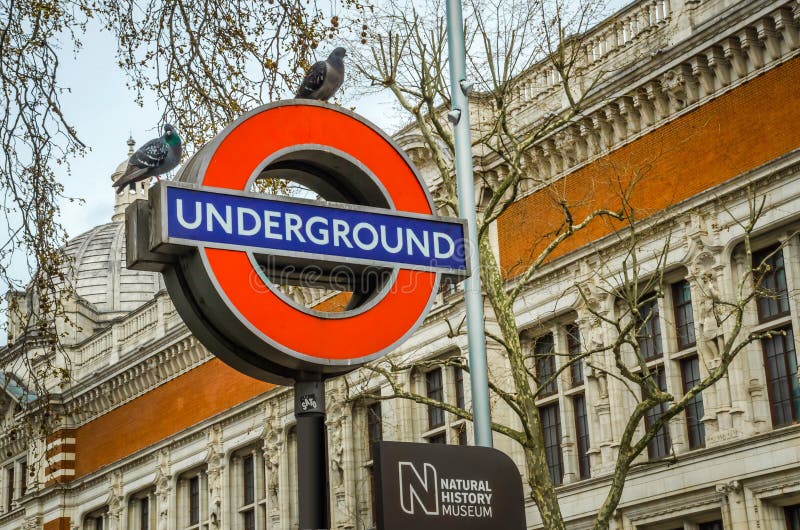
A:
(438, 487)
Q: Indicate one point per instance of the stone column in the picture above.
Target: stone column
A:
(734, 508)
(164, 493)
(342, 508)
(215, 458)
(750, 406)
(116, 501)
(272, 450)
(602, 450)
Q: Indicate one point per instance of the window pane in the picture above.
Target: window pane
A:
(144, 514)
(194, 500)
(249, 519)
(23, 484)
(684, 317)
(458, 375)
(438, 439)
(582, 434)
(372, 492)
(545, 364)
(374, 427)
(780, 363)
(773, 299)
(551, 429)
(249, 480)
(433, 380)
(9, 486)
(462, 434)
(659, 445)
(792, 517)
(574, 347)
(648, 333)
(690, 373)
(712, 525)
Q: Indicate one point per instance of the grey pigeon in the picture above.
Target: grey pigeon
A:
(324, 78)
(154, 158)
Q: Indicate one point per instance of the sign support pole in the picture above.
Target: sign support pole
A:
(473, 296)
(309, 410)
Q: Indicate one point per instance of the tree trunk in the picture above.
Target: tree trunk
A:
(542, 489)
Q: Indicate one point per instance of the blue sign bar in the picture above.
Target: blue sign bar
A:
(356, 234)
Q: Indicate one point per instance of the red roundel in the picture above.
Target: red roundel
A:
(312, 338)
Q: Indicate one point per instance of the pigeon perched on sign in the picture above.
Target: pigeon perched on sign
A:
(156, 157)
(324, 78)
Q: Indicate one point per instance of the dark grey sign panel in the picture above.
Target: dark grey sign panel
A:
(443, 487)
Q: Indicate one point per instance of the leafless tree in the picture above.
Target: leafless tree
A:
(205, 61)
(506, 41)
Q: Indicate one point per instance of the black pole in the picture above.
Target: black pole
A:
(309, 409)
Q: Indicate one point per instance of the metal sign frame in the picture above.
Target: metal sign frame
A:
(163, 242)
(226, 296)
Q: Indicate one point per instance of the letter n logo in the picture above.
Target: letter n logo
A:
(418, 490)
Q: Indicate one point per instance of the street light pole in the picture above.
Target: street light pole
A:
(459, 116)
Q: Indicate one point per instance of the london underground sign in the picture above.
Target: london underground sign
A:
(222, 247)
(221, 219)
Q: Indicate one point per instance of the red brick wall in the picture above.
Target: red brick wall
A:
(334, 304)
(62, 523)
(209, 389)
(738, 131)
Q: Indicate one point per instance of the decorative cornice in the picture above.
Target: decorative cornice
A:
(741, 42)
(180, 354)
(713, 68)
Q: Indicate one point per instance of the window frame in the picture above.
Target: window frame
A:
(782, 271)
(451, 426)
(783, 294)
(370, 439)
(680, 312)
(654, 452)
(792, 515)
(576, 376)
(435, 390)
(544, 358)
(553, 448)
(650, 321)
(789, 380)
(136, 519)
(582, 439)
(695, 409)
(185, 508)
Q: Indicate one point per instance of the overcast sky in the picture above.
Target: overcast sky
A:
(104, 113)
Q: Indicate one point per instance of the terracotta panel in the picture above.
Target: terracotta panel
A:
(62, 523)
(205, 391)
(736, 132)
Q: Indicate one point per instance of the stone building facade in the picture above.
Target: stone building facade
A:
(161, 435)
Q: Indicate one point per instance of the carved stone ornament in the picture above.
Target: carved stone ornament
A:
(33, 522)
(335, 421)
(273, 440)
(215, 458)
(116, 500)
(163, 488)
